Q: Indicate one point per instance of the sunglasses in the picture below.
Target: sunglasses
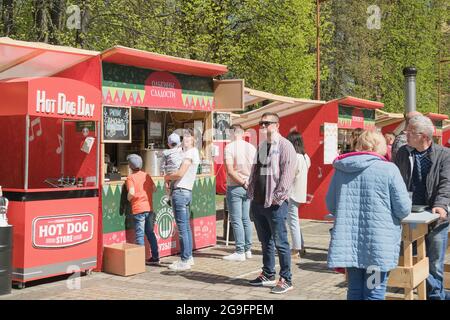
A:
(266, 123)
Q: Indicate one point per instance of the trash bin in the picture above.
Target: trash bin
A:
(6, 236)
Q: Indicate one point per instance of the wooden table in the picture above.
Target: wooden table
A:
(412, 271)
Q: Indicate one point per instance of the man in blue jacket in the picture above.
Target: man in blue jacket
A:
(425, 168)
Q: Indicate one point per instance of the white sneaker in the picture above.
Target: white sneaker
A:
(180, 266)
(235, 257)
(190, 261)
(248, 254)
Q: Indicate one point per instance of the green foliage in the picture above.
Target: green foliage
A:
(269, 43)
(368, 63)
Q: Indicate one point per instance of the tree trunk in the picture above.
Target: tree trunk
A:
(41, 21)
(8, 17)
(57, 10)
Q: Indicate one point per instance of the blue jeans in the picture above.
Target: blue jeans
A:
(270, 225)
(436, 246)
(362, 284)
(181, 199)
(239, 209)
(145, 223)
(294, 225)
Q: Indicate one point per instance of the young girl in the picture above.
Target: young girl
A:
(298, 193)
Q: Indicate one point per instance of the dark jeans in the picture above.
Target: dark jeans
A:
(144, 223)
(436, 246)
(270, 225)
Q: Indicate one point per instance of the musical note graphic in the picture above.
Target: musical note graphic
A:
(320, 173)
(34, 123)
(309, 198)
(59, 149)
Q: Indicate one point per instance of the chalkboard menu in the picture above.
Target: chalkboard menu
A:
(116, 124)
(221, 124)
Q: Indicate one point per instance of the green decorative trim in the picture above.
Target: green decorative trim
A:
(113, 221)
(121, 76)
(114, 202)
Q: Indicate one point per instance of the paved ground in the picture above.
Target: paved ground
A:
(211, 277)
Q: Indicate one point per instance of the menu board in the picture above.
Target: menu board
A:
(221, 124)
(330, 151)
(116, 124)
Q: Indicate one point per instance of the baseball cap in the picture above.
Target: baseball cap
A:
(173, 139)
(134, 161)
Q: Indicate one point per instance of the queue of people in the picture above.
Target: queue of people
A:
(368, 197)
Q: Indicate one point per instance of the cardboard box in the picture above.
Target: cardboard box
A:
(447, 276)
(124, 259)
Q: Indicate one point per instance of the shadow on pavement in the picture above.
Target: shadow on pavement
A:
(208, 278)
(315, 256)
(314, 266)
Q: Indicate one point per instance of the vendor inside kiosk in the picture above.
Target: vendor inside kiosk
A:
(148, 133)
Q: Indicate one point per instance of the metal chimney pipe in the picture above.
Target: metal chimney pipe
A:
(410, 88)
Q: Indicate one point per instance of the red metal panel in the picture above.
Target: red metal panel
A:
(446, 138)
(88, 72)
(12, 141)
(23, 214)
(219, 168)
(13, 98)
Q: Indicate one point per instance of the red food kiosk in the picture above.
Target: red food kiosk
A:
(326, 127)
(446, 135)
(49, 132)
(394, 123)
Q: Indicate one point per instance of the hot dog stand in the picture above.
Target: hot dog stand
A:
(50, 174)
(141, 98)
(146, 97)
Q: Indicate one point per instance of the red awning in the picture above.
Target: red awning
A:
(436, 116)
(360, 103)
(19, 59)
(155, 61)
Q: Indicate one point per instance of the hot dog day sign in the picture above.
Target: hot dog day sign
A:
(64, 98)
(61, 105)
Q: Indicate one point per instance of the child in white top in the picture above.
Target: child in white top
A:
(172, 159)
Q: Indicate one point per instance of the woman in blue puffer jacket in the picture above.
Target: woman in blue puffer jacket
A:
(368, 199)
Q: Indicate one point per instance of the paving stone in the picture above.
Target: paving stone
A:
(210, 278)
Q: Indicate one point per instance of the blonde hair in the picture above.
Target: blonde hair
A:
(371, 141)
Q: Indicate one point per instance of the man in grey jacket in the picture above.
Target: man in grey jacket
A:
(425, 168)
